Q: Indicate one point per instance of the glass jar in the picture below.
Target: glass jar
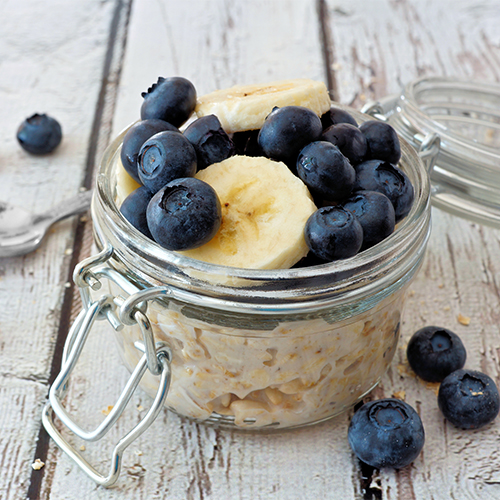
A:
(247, 349)
(465, 116)
(278, 348)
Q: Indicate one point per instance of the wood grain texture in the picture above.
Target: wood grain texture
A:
(51, 61)
(374, 48)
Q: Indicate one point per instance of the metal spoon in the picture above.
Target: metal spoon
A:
(22, 232)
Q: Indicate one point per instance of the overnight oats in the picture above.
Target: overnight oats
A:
(281, 304)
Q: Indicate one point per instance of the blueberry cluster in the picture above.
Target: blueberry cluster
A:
(172, 207)
(467, 398)
(350, 171)
(389, 432)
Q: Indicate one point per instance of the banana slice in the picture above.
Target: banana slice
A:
(264, 211)
(245, 107)
(125, 184)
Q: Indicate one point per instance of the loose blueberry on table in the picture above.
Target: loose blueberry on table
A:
(386, 433)
(39, 134)
(468, 399)
(434, 352)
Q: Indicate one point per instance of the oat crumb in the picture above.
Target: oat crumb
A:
(463, 320)
(441, 285)
(37, 464)
(82, 447)
(138, 453)
(399, 395)
(107, 410)
(68, 251)
(140, 408)
(67, 284)
(446, 308)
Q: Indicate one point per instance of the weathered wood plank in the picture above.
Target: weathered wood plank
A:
(379, 47)
(51, 59)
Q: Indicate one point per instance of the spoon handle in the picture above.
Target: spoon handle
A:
(71, 206)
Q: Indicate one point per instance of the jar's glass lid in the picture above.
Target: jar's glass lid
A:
(466, 117)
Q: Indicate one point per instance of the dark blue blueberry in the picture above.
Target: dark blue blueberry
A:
(164, 157)
(39, 134)
(286, 131)
(383, 141)
(246, 143)
(468, 399)
(170, 99)
(185, 214)
(349, 139)
(382, 176)
(210, 141)
(325, 170)
(333, 233)
(386, 433)
(135, 137)
(435, 352)
(134, 209)
(375, 214)
(336, 115)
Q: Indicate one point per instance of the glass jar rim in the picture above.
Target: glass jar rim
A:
(369, 270)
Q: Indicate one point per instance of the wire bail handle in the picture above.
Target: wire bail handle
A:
(156, 358)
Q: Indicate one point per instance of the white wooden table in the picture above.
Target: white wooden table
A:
(86, 63)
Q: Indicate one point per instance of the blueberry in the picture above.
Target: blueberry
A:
(382, 176)
(184, 214)
(134, 209)
(286, 131)
(349, 139)
(386, 433)
(210, 141)
(246, 143)
(170, 99)
(336, 115)
(333, 233)
(39, 134)
(164, 157)
(435, 352)
(135, 137)
(468, 399)
(325, 170)
(383, 141)
(375, 214)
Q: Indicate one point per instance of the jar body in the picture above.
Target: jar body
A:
(296, 371)
(272, 349)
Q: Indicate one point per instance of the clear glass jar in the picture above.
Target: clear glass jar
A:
(466, 117)
(271, 349)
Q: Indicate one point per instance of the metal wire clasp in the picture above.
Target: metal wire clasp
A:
(156, 358)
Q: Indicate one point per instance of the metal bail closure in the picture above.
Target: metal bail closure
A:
(74, 344)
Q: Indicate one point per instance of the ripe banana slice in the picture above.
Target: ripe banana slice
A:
(264, 211)
(245, 107)
(125, 184)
